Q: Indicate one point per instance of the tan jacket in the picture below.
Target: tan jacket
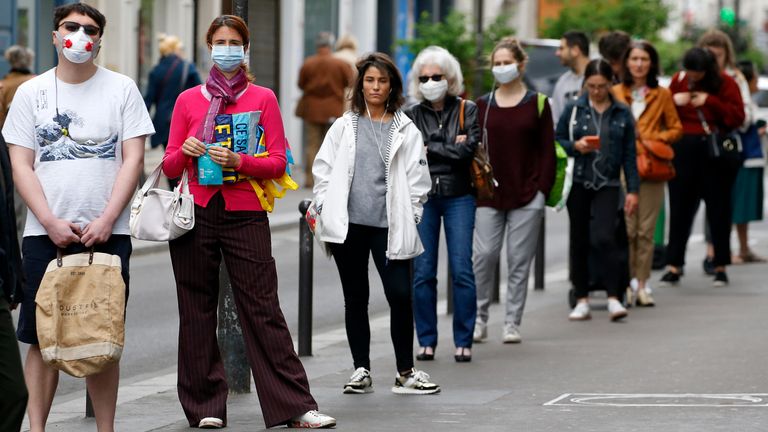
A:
(659, 121)
(323, 79)
(8, 86)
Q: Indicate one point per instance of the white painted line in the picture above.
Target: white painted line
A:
(730, 400)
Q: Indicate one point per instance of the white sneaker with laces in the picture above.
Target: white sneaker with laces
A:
(481, 332)
(511, 334)
(616, 310)
(580, 312)
(312, 420)
(360, 382)
(416, 383)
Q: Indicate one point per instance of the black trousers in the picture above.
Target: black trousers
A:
(699, 177)
(352, 261)
(13, 396)
(593, 215)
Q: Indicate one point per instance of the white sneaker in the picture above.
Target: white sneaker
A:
(360, 382)
(312, 420)
(648, 288)
(211, 423)
(633, 284)
(580, 312)
(511, 334)
(616, 310)
(481, 331)
(416, 383)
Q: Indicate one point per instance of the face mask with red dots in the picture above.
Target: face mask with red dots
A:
(77, 47)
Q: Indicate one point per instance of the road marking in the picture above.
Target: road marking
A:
(710, 400)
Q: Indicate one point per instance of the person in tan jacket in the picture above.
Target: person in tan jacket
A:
(323, 78)
(656, 119)
(20, 59)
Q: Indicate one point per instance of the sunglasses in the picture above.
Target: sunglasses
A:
(435, 77)
(71, 26)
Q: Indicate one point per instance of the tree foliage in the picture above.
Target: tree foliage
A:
(639, 18)
(455, 35)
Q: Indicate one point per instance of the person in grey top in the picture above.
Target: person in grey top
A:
(370, 181)
(573, 53)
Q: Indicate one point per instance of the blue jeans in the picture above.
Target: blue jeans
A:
(459, 216)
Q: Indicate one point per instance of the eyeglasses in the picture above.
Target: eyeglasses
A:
(71, 26)
(597, 87)
(435, 77)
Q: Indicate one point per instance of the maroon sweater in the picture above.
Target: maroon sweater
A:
(724, 110)
(522, 151)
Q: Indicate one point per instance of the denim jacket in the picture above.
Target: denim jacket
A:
(617, 152)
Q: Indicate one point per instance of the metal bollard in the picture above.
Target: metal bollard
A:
(306, 250)
(538, 270)
(230, 335)
(89, 406)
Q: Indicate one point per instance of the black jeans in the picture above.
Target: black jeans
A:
(594, 215)
(699, 177)
(352, 261)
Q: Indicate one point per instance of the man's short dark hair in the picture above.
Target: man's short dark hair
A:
(577, 39)
(64, 11)
(613, 45)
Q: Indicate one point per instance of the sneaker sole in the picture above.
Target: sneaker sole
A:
(321, 425)
(719, 284)
(409, 391)
(618, 316)
(512, 340)
(586, 318)
(350, 390)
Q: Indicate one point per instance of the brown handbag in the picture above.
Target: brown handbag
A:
(480, 170)
(654, 162)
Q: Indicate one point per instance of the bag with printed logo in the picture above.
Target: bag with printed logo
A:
(80, 312)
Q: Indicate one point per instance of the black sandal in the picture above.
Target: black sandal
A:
(423, 356)
(463, 358)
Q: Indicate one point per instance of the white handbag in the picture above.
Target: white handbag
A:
(159, 214)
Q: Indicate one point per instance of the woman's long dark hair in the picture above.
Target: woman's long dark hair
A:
(598, 67)
(701, 60)
(385, 64)
(651, 80)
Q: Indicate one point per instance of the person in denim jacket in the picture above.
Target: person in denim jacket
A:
(599, 133)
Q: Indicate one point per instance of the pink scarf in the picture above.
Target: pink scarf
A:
(223, 92)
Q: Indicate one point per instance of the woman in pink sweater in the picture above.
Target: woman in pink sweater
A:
(231, 222)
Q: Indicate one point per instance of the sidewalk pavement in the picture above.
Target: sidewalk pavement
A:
(695, 362)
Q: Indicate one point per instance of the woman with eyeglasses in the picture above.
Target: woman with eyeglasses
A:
(518, 125)
(231, 222)
(371, 180)
(599, 132)
(657, 120)
(451, 137)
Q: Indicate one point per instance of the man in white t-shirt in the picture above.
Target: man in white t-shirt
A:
(76, 137)
(573, 53)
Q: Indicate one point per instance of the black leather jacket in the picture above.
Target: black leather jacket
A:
(448, 160)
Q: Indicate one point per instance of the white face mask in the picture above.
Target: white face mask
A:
(77, 47)
(505, 73)
(434, 90)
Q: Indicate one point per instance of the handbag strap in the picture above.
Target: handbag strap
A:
(703, 121)
(60, 256)
(570, 123)
(461, 115)
(154, 179)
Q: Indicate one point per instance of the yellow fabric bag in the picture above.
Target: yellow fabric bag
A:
(80, 313)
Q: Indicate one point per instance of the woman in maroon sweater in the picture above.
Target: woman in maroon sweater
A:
(702, 89)
(522, 153)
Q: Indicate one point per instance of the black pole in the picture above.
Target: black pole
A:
(230, 333)
(538, 271)
(306, 250)
(89, 406)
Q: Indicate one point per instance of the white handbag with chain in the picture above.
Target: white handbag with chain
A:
(162, 215)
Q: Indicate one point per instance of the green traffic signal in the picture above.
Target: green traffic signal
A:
(728, 16)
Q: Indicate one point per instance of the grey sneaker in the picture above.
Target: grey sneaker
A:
(360, 382)
(481, 331)
(511, 334)
(416, 383)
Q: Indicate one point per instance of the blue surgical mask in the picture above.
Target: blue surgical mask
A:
(227, 57)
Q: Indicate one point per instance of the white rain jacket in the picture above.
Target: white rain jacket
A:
(406, 175)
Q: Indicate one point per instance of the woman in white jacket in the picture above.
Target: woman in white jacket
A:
(371, 179)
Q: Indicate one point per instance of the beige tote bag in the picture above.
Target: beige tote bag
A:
(80, 313)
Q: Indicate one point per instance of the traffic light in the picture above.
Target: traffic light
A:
(728, 16)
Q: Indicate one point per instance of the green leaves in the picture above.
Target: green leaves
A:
(640, 18)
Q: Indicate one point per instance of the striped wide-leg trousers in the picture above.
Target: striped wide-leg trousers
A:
(243, 239)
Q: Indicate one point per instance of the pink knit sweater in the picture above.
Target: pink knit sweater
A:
(189, 112)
